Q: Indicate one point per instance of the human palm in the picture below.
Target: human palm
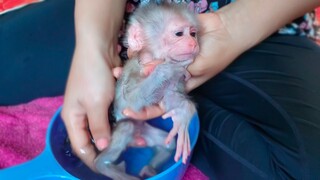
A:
(214, 41)
(89, 92)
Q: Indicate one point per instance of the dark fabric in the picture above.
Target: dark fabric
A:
(260, 118)
(36, 46)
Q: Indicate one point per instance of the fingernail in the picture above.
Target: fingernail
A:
(101, 143)
(126, 113)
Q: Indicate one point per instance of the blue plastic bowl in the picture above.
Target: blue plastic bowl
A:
(57, 161)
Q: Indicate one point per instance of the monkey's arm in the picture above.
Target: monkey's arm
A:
(127, 82)
(152, 89)
(136, 94)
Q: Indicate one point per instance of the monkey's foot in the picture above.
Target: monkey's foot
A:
(180, 127)
(147, 171)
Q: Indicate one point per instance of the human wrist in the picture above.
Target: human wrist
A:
(92, 51)
(97, 27)
(250, 21)
(223, 42)
(236, 24)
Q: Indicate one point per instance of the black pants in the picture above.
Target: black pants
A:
(260, 118)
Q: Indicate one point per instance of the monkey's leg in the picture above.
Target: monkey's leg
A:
(155, 138)
(121, 136)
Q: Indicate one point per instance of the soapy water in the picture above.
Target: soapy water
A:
(135, 158)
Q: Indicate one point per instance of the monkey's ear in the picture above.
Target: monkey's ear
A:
(135, 37)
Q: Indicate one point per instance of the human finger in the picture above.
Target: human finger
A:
(99, 125)
(195, 82)
(79, 137)
(117, 71)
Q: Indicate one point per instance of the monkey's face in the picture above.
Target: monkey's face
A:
(181, 40)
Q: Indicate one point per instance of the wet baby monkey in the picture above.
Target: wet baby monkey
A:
(156, 31)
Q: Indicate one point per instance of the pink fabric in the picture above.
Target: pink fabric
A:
(23, 131)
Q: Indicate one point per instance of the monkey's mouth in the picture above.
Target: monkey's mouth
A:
(175, 60)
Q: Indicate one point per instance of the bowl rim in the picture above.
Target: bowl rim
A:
(161, 174)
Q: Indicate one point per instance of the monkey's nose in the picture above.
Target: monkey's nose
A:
(195, 47)
(192, 44)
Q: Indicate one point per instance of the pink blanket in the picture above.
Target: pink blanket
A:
(23, 130)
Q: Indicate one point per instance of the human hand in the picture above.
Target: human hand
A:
(212, 58)
(89, 93)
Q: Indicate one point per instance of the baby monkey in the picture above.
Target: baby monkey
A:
(156, 31)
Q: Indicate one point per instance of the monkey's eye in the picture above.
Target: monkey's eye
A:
(193, 34)
(180, 33)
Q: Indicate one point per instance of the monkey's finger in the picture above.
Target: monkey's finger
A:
(129, 53)
(117, 71)
(148, 67)
(145, 114)
(99, 124)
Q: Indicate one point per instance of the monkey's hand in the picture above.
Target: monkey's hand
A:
(146, 70)
(181, 117)
(149, 67)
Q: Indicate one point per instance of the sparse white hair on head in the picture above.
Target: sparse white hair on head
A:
(153, 18)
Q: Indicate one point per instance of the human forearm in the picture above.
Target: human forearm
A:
(97, 25)
(237, 27)
(90, 87)
(251, 21)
